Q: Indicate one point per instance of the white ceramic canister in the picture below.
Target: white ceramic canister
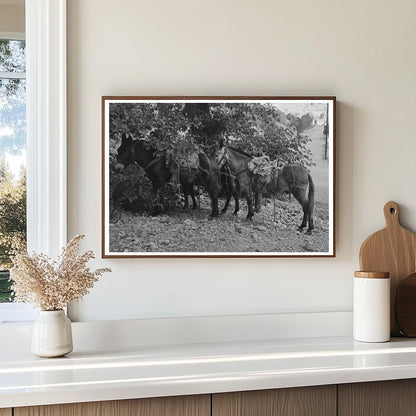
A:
(371, 322)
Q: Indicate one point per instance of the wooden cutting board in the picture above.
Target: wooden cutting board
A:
(393, 250)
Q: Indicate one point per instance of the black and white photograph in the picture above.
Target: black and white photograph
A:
(218, 176)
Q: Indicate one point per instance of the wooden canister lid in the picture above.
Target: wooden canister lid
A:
(372, 275)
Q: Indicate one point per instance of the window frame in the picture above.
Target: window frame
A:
(46, 136)
(46, 125)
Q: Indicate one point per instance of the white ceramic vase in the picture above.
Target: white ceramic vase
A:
(52, 334)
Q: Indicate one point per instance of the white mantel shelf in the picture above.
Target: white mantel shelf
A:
(151, 371)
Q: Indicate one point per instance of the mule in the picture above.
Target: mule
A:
(230, 186)
(158, 170)
(296, 180)
(155, 167)
(240, 178)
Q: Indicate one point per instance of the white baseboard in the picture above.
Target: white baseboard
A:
(127, 334)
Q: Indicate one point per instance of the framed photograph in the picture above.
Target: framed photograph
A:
(218, 176)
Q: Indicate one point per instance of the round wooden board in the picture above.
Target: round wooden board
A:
(405, 306)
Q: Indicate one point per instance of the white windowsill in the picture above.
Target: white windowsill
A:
(16, 313)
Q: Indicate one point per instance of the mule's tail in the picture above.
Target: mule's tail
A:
(311, 197)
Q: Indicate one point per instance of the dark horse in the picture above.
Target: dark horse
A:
(296, 180)
(160, 173)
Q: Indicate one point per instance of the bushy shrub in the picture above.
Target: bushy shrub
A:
(132, 190)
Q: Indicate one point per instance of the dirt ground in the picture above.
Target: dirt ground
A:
(195, 231)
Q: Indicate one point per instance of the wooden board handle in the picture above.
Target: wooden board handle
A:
(391, 214)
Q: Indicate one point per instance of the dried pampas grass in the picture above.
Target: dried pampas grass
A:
(53, 285)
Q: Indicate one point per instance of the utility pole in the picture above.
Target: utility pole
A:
(326, 132)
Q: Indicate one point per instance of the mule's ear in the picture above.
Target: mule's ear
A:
(126, 138)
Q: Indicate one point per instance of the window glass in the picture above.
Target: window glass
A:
(12, 156)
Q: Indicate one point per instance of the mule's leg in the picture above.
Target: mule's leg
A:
(257, 201)
(256, 192)
(250, 210)
(236, 204)
(227, 184)
(192, 193)
(231, 191)
(248, 181)
(305, 218)
(301, 197)
(311, 223)
(159, 199)
(236, 194)
(307, 214)
(227, 202)
(214, 205)
(310, 220)
(311, 204)
(185, 188)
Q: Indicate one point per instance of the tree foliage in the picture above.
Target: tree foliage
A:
(12, 213)
(12, 56)
(301, 123)
(175, 129)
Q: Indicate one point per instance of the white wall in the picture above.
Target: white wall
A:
(361, 51)
(12, 17)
